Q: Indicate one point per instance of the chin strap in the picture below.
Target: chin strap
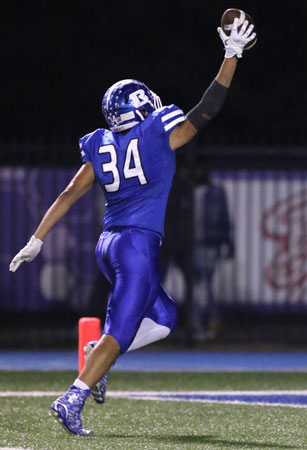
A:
(138, 113)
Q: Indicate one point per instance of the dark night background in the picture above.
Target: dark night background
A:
(58, 58)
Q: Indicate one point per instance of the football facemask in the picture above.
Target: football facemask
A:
(127, 103)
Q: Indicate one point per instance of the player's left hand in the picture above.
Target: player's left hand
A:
(235, 43)
(28, 253)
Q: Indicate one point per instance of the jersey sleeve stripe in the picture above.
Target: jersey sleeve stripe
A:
(82, 153)
(175, 122)
(171, 115)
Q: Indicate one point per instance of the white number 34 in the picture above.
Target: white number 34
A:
(132, 166)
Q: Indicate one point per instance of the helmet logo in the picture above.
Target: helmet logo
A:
(138, 98)
(128, 103)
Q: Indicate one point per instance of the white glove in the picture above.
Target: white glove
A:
(235, 43)
(28, 253)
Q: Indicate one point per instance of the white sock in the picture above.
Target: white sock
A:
(80, 384)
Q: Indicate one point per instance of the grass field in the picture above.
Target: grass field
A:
(144, 424)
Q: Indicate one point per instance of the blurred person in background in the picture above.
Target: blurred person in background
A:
(134, 162)
(213, 242)
(175, 250)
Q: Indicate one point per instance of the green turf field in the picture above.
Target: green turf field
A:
(138, 424)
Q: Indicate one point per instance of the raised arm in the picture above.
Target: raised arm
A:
(213, 99)
(78, 186)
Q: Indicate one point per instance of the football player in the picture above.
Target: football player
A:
(134, 163)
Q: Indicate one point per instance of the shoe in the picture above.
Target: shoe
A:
(67, 409)
(99, 390)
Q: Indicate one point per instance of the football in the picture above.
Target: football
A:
(228, 18)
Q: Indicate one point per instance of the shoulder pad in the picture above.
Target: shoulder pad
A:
(168, 117)
(87, 142)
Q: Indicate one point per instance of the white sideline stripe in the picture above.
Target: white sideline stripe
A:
(156, 396)
(267, 392)
(220, 402)
(13, 448)
(30, 394)
(119, 394)
(174, 123)
(172, 114)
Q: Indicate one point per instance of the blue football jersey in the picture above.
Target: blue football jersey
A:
(135, 170)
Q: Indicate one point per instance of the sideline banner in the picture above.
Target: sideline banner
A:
(268, 216)
(268, 212)
(63, 275)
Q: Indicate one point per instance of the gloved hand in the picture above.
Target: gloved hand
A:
(235, 43)
(28, 253)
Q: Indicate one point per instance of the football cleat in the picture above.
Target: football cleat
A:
(127, 103)
(67, 409)
(99, 390)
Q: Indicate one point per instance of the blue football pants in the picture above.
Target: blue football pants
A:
(130, 260)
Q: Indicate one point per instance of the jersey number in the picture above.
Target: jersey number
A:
(132, 166)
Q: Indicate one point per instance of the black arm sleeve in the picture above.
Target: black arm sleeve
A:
(210, 105)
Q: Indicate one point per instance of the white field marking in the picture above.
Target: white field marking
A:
(156, 396)
(220, 402)
(30, 394)
(145, 394)
(267, 392)
(169, 396)
(12, 448)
